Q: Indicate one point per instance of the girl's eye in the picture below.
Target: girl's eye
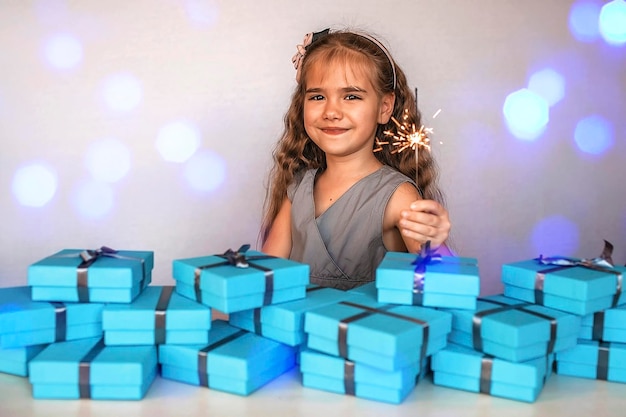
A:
(352, 97)
(316, 97)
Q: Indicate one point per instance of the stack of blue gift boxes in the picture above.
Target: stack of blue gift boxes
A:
(591, 289)
(552, 315)
(89, 325)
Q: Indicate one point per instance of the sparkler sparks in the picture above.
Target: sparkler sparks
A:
(407, 136)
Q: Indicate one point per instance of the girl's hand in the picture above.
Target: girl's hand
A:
(425, 220)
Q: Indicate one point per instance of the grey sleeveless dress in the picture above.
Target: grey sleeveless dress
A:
(344, 245)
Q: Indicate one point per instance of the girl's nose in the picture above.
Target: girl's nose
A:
(332, 111)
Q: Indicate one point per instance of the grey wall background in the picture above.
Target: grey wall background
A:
(225, 67)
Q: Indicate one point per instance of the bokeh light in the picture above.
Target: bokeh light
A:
(204, 12)
(107, 160)
(93, 199)
(34, 185)
(548, 84)
(583, 21)
(178, 141)
(594, 135)
(122, 92)
(612, 22)
(206, 171)
(555, 236)
(526, 114)
(63, 51)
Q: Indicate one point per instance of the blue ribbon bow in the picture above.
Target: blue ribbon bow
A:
(425, 257)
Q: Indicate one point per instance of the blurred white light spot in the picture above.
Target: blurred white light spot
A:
(93, 199)
(548, 84)
(178, 141)
(34, 185)
(107, 160)
(583, 21)
(612, 22)
(202, 11)
(594, 135)
(526, 114)
(122, 92)
(206, 171)
(63, 51)
(555, 236)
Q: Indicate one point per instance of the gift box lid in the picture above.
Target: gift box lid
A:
(319, 363)
(59, 363)
(459, 360)
(382, 328)
(218, 276)
(21, 354)
(450, 275)
(231, 352)
(575, 282)
(18, 313)
(368, 289)
(122, 269)
(180, 313)
(521, 324)
(593, 352)
(610, 318)
(290, 315)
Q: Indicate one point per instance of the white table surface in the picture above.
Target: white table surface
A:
(285, 396)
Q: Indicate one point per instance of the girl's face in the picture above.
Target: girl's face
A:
(342, 109)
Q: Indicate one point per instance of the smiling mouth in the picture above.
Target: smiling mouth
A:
(334, 130)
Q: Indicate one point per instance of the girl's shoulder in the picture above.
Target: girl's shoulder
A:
(297, 180)
(392, 174)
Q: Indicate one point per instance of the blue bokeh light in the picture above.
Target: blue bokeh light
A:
(122, 92)
(107, 160)
(594, 135)
(555, 236)
(34, 185)
(583, 21)
(178, 141)
(63, 51)
(202, 11)
(526, 114)
(93, 199)
(206, 171)
(548, 84)
(612, 22)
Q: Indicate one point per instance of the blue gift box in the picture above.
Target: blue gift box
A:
(284, 322)
(15, 360)
(607, 325)
(24, 322)
(512, 330)
(234, 360)
(87, 368)
(384, 336)
(575, 289)
(335, 374)
(594, 360)
(444, 281)
(462, 368)
(159, 315)
(368, 290)
(99, 276)
(243, 280)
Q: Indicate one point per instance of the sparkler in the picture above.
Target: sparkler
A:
(407, 136)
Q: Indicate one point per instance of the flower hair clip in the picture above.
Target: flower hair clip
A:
(309, 38)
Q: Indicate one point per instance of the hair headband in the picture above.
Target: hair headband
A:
(309, 38)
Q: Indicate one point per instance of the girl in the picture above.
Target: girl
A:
(332, 202)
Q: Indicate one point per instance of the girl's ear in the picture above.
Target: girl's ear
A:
(386, 108)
